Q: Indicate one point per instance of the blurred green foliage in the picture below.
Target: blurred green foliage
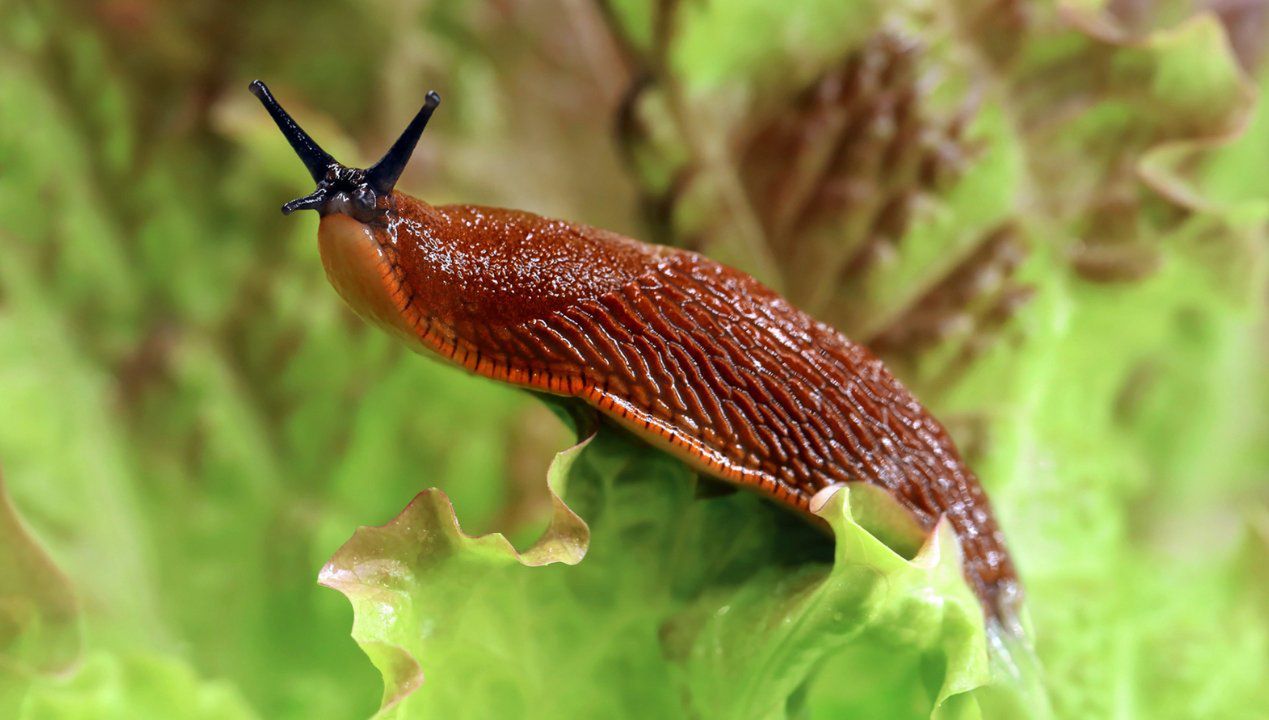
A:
(1050, 219)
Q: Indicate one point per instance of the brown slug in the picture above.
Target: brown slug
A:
(696, 358)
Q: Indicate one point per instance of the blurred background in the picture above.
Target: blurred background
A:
(1049, 218)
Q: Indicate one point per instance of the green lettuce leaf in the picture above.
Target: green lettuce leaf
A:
(109, 687)
(724, 602)
(39, 614)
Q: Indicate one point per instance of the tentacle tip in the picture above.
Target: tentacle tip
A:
(432, 100)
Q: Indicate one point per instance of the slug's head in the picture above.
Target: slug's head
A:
(361, 194)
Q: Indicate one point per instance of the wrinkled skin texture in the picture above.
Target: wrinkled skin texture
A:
(695, 357)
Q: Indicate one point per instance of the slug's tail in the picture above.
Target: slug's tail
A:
(1017, 677)
(991, 575)
(985, 557)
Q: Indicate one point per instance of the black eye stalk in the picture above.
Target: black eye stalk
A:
(341, 189)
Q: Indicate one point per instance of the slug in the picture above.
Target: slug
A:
(694, 357)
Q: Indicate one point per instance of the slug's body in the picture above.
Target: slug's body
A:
(695, 357)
